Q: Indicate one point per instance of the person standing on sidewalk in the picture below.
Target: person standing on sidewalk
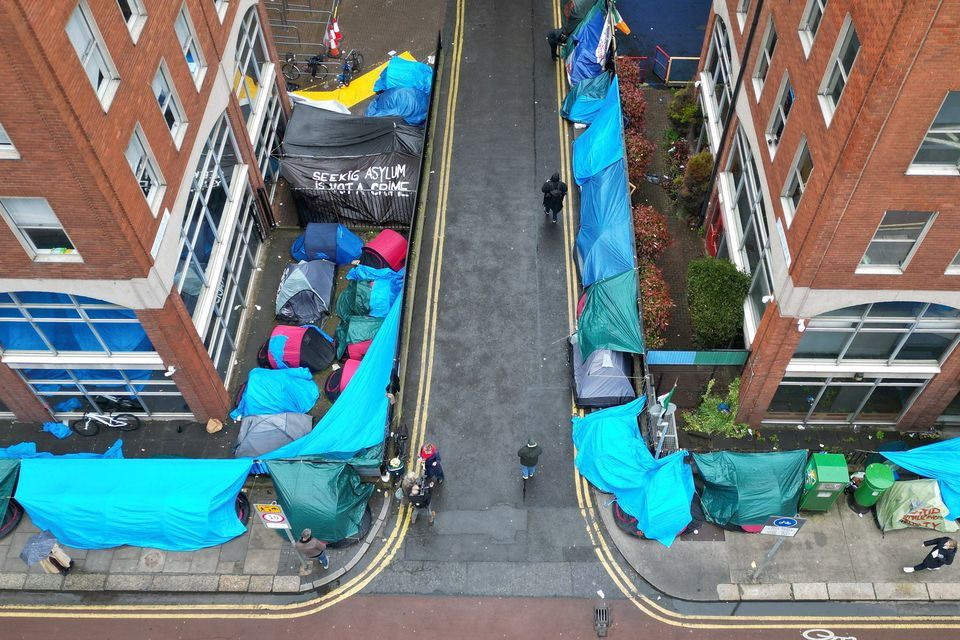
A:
(554, 191)
(420, 499)
(943, 552)
(556, 38)
(312, 548)
(433, 471)
(529, 456)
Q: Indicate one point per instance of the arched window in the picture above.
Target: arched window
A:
(252, 59)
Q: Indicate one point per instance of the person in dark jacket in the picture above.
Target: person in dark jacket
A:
(554, 191)
(529, 456)
(433, 471)
(556, 39)
(943, 552)
(420, 499)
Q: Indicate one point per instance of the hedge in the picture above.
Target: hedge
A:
(716, 290)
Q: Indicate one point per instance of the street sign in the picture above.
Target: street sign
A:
(272, 516)
(782, 526)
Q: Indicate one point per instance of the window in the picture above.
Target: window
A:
(267, 142)
(742, 7)
(134, 14)
(797, 180)
(94, 58)
(717, 72)
(838, 69)
(940, 149)
(765, 57)
(221, 7)
(145, 170)
(38, 228)
(169, 104)
(811, 22)
(7, 150)
(189, 45)
(843, 399)
(778, 121)
(895, 241)
(252, 60)
(954, 266)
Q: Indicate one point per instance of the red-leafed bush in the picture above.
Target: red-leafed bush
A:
(656, 302)
(628, 71)
(640, 152)
(634, 106)
(650, 230)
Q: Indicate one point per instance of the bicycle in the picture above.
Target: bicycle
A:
(293, 69)
(352, 67)
(89, 425)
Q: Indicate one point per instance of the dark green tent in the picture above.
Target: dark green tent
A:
(8, 478)
(575, 11)
(353, 329)
(354, 300)
(326, 497)
(748, 488)
(611, 316)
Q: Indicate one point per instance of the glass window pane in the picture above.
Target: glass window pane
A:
(127, 336)
(941, 311)
(901, 225)
(873, 346)
(895, 309)
(821, 344)
(850, 51)
(889, 254)
(926, 346)
(793, 400)
(20, 336)
(52, 312)
(70, 336)
(43, 297)
(886, 403)
(839, 402)
(952, 410)
(71, 401)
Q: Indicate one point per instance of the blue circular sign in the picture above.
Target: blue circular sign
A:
(784, 522)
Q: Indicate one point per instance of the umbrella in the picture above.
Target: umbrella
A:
(38, 547)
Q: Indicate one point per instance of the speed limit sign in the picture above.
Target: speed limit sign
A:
(272, 516)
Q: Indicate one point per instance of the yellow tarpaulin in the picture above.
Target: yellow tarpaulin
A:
(359, 90)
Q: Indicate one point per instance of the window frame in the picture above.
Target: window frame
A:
(848, 31)
(137, 19)
(743, 6)
(953, 269)
(718, 56)
(807, 35)
(192, 44)
(8, 150)
(155, 198)
(179, 130)
(780, 113)
(902, 267)
(35, 253)
(930, 168)
(786, 195)
(765, 57)
(221, 7)
(108, 89)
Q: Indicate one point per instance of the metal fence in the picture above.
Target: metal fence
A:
(673, 70)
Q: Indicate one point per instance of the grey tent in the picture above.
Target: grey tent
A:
(603, 379)
(306, 291)
(262, 434)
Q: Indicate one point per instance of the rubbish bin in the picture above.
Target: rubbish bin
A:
(877, 479)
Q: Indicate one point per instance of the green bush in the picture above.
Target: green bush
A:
(716, 290)
(709, 418)
(684, 109)
(696, 181)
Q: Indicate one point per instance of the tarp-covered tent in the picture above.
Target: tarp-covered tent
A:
(602, 143)
(403, 102)
(588, 46)
(327, 498)
(292, 347)
(585, 99)
(610, 318)
(327, 241)
(8, 479)
(277, 391)
(351, 168)
(602, 379)
(369, 292)
(614, 458)
(265, 433)
(306, 292)
(176, 505)
(940, 461)
(574, 11)
(29, 450)
(605, 239)
(354, 329)
(913, 503)
(402, 73)
(357, 421)
(748, 488)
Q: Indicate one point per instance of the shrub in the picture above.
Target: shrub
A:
(678, 154)
(634, 106)
(650, 230)
(656, 303)
(684, 109)
(696, 181)
(716, 290)
(628, 71)
(640, 152)
(709, 417)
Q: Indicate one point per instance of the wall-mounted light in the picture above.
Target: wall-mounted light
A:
(170, 371)
(801, 325)
(768, 299)
(858, 377)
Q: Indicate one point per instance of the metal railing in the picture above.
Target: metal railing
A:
(300, 28)
(674, 70)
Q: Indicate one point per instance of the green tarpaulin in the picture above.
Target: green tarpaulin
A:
(575, 12)
(611, 317)
(327, 498)
(354, 329)
(8, 478)
(913, 503)
(748, 488)
(355, 299)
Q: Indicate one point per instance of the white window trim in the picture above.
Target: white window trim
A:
(8, 151)
(806, 40)
(154, 201)
(826, 105)
(113, 82)
(763, 54)
(932, 169)
(201, 59)
(35, 254)
(40, 360)
(742, 7)
(221, 6)
(786, 203)
(137, 20)
(871, 368)
(255, 119)
(953, 269)
(888, 269)
(773, 144)
(180, 131)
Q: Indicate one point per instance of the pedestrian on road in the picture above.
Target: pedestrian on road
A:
(312, 548)
(529, 455)
(554, 191)
(433, 471)
(944, 549)
(420, 499)
(556, 39)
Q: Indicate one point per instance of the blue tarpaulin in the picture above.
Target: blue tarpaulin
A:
(406, 102)
(29, 450)
(327, 241)
(939, 461)
(592, 44)
(583, 102)
(387, 285)
(614, 458)
(177, 505)
(602, 143)
(271, 391)
(357, 419)
(605, 239)
(405, 73)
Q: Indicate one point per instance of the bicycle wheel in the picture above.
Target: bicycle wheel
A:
(290, 70)
(357, 58)
(126, 422)
(86, 427)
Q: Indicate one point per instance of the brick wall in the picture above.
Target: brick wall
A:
(776, 340)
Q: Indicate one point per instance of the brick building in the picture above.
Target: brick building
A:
(136, 183)
(835, 126)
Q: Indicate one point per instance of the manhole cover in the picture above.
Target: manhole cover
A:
(152, 559)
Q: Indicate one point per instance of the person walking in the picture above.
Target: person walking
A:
(943, 552)
(430, 457)
(420, 499)
(556, 38)
(554, 191)
(312, 549)
(529, 456)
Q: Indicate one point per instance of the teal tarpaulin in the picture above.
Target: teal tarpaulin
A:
(605, 240)
(940, 461)
(614, 458)
(610, 318)
(177, 505)
(602, 143)
(8, 478)
(583, 102)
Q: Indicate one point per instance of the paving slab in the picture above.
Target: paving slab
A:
(12, 580)
(84, 581)
(127, 582)
(152, 561)
(765, 592)
(261, 561)
(97, 561)
(810, 591)
(901, 591)
(260, 584)
(944, 591)
(164, 582)
(177, 562)
(43, 581)
(205, 560)
(728, 591)
(233, 583)
(851, 591)
(286, 584)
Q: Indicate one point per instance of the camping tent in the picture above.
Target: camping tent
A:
(354, 329)
(610, 317)
(370, 292)
(913, 503)
(605, 239)
(327, 241)
(403, 73)
(265, 433)
(602, 143)
(583, 102)
(293, 347)
(388, 249)
(588, 45)
(277, 391)
(748, 488)
(404, 102)
(306, 291)
(940, 461)
(602, 379)
(8, 479)
(327, 498)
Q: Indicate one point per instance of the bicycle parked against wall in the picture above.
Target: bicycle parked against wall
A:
(292, 68)
(89, 425)
(351, 68)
